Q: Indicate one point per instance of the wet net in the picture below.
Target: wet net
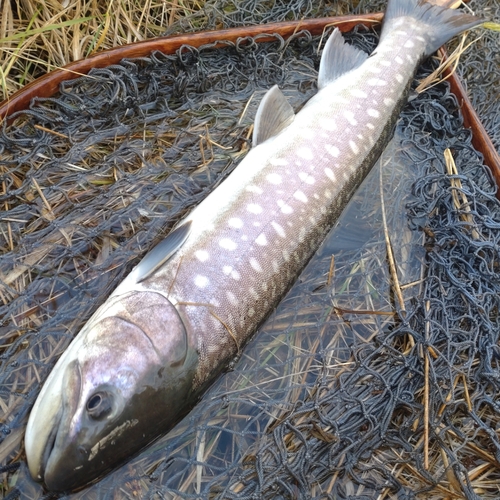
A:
(350, 389)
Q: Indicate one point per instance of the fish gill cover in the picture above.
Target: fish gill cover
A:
(324, 403)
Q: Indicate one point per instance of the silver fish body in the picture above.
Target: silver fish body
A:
(188, 308)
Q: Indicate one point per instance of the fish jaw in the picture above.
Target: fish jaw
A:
(41, 432)
(94, 410)
(45, 417)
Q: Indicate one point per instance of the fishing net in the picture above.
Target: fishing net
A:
(395, 400)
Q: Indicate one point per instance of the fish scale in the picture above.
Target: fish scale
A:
(148, 353)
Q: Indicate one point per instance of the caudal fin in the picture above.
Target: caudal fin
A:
(440, 23)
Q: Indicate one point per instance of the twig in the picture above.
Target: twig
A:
(390, 255)
(457, 191)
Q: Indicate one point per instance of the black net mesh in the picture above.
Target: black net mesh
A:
(395, 400)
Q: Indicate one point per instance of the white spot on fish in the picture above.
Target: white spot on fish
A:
(279, 229)
(251, 312)
(299, 195)
(305, 153)
(399, 77)
(376, 82)
(253, 292)
(264, 286)
(286, 209)
(401, 32)
(408, 44)
(332, 150)
(201, 281)
(328, 193)
(244, 237)
(254, 189)
(420, 38)
(360, 136)
(275, 265)
(409, 57)
(304, 177)
(328, 124)
(373, 112)
(236, 222)
(329, 173)
(261, 240)
(385, 63)
(274, 178)
(354, 147)
(232, 298)
(253, 208)
(227, 270)
(228, 244)
(316, 196)
(255, 265)
(358, 93)
(256, 224)
(201, 255)
(399, 60)
(278, 162)
(286, 254)
(388, 101)
(235, 275)
(370, 126)
(374, 69)
(350, 117)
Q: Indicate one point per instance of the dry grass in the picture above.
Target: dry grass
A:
(37, 37)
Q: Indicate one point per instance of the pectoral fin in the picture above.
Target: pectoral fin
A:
(162, 252)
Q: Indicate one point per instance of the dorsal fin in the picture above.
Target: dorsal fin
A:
(273, 115)
(338, 58)
(162, 252)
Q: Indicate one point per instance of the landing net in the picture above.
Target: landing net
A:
(396, 400)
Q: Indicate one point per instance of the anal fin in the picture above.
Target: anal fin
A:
(338, 58)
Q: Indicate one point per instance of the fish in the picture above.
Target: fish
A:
(187, 309)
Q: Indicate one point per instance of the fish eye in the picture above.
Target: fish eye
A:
(99, 405)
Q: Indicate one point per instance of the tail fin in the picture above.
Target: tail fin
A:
(440, 23)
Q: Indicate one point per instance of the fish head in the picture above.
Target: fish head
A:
(129, 366)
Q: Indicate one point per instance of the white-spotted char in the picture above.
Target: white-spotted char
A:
(193, 302)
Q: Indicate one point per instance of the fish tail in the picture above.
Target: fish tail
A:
(440, 23)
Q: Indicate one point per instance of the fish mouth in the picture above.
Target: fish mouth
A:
(43, 426)
(61, 436)
(50, 444)
(49, 423)
(39, 448)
